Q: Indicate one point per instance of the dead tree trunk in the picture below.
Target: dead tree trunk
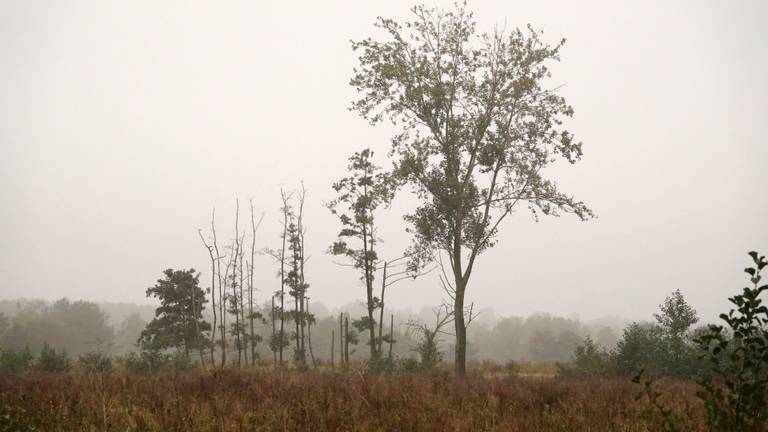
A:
(333, 337)
(286, 210)
(274, 330)
(235, 301)
(346, 341)
(391, 335)
(381, 306)
(222, 306)
(213, 291)
(309, 337)
(252, 335)
(341, 339)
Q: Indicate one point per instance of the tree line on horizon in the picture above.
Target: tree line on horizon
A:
(80, 327)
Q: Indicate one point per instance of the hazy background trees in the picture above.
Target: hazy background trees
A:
(77, 327)
(30, 324)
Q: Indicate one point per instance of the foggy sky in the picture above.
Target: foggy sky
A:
(123, 123)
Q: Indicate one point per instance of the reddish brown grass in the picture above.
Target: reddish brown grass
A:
(275, 400)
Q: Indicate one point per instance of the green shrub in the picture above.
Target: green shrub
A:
(15, 361)
(734, 392)
(137, 363)
(52, 361)
(95, 362)
(588, 360)
(381, 364)
(147, 362)
(410, 365)
(664, 348)
(180, 361)
(734, 388)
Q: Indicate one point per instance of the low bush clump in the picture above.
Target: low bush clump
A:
(52, 361)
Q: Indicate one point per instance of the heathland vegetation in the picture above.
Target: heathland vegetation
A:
(476, 127)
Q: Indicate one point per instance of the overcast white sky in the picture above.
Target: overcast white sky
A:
(123, 123)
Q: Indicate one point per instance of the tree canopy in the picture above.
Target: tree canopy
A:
(479, 125)
(178, 322)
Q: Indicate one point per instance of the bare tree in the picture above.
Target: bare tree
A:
(427, 347)
(252, 337)
(217, 280)
(212, 289)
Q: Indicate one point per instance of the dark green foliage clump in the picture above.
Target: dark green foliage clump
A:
(589, 360)
(734, 392)
(12, 361)
(149, 362)
(51, 360)
(95, 362)
(178, 322)
(733, 386)
(664, 348)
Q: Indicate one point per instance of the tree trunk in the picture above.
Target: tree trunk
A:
(309, 339)
(274, 329)
(341, 339)
(333, 338)
(282, 273)
(346, 341)
(461, 331)
(381, 306)
(391, 335)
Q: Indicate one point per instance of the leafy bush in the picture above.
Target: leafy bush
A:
(734, 388)
(52, 361)
(589, 359)
(137, 362)
(640, 347)
(662, 348)
(734, 393)
(12, 361)
(95, 362)
(410, 365)
(147, 362)
(381, 364)
(180, 361)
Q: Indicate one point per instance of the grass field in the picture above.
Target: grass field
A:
(269, 400)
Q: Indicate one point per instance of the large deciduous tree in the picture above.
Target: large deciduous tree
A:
(479, 125)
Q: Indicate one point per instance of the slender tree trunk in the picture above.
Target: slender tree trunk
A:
(309, 339)
(333, 337)
(296, 320)
(274, 330)
(302, 281)
(252, 335)
(381, 307)
(368, 281)
(302, 328)
(242, 344)
(237, 298)
(458, 307)
(341, 339)
(346, 341)
(222, 306)
(213, 292)
(282, 276)
(391, 335)
(461, 330)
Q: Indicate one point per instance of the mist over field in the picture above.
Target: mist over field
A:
(333, 215)
(124, 124)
